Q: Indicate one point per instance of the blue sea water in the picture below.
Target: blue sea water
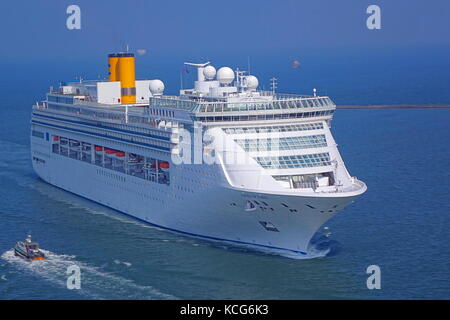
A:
(400, 224)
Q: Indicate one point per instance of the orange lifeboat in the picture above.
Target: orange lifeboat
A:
(120, 154)
(163, 165)
(110, 151)
(98, 148)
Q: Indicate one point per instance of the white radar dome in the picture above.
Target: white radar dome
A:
(251, 82)
(225, 75)
(156, 87)
(209, 72)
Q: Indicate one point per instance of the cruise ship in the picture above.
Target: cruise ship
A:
(221, 161)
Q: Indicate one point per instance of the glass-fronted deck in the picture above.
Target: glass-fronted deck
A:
(275, 102)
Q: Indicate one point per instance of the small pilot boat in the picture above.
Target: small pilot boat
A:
(28, 250)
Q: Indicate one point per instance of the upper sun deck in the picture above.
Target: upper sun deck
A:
(257, 101)
(278, 106)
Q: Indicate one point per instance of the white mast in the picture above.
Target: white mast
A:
(273, 84)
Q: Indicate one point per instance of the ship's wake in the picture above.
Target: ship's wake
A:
(95, 283)
(315, 250)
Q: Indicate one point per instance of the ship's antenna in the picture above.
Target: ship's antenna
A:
(273, 84)
(239, 76)
(181, 78)
(127, 47)
(315, 92)
(248, 64)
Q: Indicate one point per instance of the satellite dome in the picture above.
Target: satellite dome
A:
(156, 87)
(209, 72)
(225, 75)
(251, 82)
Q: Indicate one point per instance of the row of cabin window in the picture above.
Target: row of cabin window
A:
(112, 116)
(281, 128)
(59, 99)
(162, 112)
(125, 136)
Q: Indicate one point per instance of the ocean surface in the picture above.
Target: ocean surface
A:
(401, 224)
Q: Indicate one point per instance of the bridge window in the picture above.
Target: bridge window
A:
(295, 161)
(284, 143)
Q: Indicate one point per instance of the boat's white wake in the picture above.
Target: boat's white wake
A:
(128, 264)
(95, 283)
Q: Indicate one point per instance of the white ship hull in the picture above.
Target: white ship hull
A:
(216, 212)
(222, 161)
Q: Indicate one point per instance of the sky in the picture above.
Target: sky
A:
(409, 56)
(37, 29)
